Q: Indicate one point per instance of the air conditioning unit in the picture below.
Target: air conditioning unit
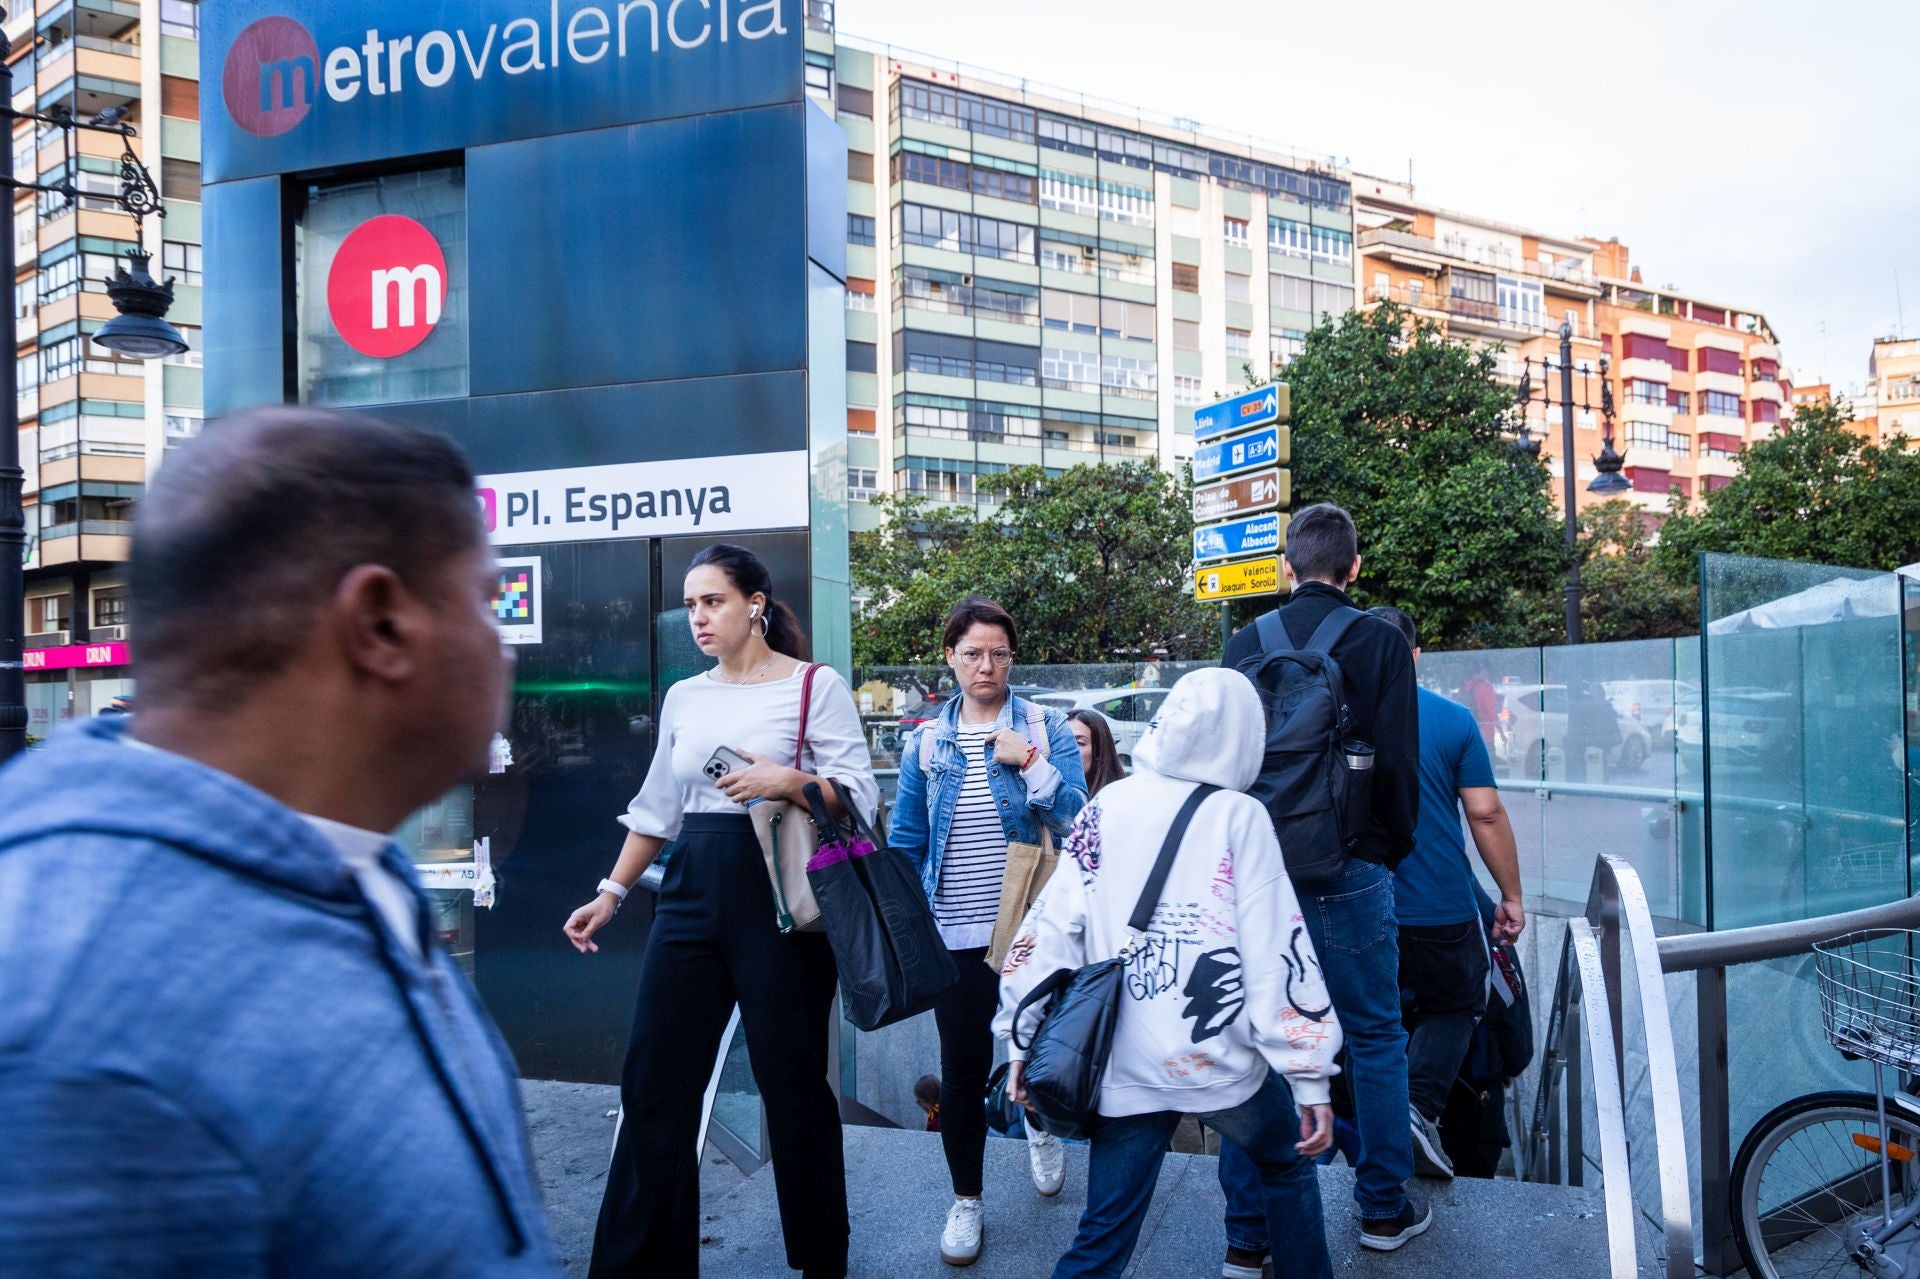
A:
(1087, 251)
(966, 281)
(107, 635)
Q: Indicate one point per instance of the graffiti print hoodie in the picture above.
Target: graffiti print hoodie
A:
(1226, 984)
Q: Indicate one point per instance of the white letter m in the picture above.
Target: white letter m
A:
(406, 281)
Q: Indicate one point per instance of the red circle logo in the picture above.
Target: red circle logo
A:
(272, 76)
(386, 286)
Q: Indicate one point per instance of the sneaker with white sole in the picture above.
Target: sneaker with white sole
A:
(1048, 1157)
(966, 1226)
(1429, 1156)
(1384, 1234)
(1241, 1264)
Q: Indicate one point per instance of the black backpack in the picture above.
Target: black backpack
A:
(1316, 781)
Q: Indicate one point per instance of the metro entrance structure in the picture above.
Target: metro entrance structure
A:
(603, 247)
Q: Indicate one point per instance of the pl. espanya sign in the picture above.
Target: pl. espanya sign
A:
(755, 491)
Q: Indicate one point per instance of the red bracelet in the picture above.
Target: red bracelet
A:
(1028, 762)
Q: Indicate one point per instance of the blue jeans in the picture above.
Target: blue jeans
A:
(1125, 1165)
(1357, 938)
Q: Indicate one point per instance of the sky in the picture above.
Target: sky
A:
(1764, 154)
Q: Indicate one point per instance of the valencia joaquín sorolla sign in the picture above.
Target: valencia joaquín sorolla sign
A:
(1239, 508)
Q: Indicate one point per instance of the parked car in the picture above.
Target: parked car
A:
(1650, 703)
(1533, 720)
(1129, 712)
(1752, 728)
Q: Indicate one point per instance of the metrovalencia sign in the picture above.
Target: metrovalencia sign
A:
(353, 80)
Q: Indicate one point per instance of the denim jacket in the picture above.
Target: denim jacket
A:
(1053, 790)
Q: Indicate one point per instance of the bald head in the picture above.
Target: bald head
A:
(243, 537)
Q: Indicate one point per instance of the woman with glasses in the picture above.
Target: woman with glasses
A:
(991, 770)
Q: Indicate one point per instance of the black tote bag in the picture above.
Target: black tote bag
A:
(893, 964)
(1067, 1055)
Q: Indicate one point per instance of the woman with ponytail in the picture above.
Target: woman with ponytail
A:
(714, 941)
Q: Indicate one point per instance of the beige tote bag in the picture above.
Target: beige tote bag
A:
(788, 840)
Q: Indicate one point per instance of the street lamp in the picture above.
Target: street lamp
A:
(1608, 463)
(140, 330)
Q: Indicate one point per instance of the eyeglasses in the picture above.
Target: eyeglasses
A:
(1000, 657)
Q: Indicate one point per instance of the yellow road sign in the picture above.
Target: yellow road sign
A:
(1232, 581)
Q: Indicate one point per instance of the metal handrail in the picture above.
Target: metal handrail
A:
(1590, 971)
(1708, 956)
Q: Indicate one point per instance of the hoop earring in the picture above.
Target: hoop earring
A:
(764, 620)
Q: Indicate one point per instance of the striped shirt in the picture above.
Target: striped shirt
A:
(967, 898)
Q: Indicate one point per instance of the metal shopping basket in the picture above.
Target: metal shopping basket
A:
(1870, 995)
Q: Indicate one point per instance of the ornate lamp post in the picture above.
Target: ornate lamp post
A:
(1608, 463)
(140, 330)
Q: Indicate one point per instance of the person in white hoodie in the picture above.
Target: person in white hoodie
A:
(1226, 1015)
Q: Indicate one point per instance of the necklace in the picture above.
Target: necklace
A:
(746, 678)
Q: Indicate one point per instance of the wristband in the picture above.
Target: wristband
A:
(1027, 763)
(618, 890)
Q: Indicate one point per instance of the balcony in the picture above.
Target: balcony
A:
(1487, 314)
(1388, 240)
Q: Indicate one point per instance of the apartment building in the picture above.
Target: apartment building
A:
(1894, 370)
(92, 425)
(1039, 279)
(1693, 379)
(1863, 400)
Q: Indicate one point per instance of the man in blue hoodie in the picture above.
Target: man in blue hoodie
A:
(229, 1044)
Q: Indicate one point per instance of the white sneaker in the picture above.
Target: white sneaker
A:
(960, 1241)
(1048, 1158)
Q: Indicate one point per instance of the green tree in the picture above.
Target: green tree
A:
(1815, 492)
(1093, 562)
(1405, 429)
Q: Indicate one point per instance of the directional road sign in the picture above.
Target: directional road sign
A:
(1231, 581)
(1261, 491)
(1255, 535)
(1268, 446)
(1257, 407)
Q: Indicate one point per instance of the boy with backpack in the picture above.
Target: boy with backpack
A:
(1332, 678)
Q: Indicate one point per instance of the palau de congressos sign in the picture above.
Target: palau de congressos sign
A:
(357, 80)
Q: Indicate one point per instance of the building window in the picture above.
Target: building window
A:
(1186, 278)
(181, 261)
(1679, 445)
(1284, 345)
(1642, 391)
(180, 18)
(196, 347)
(1679, 401)
(1074, 312)
(1647, 435)
(110, 606)
(1069, 193)
(1290, 292)
(1239, 344)
(1234, 231)
(819, 78)
(1473, 294)
(1127, 376)
(179, 179)
(1289, 238)
(1331, 299)
(1120, 318)
(1713, 360)
(1332, 246)
(179, 428)
(959, 110)
(862, 483)
(859, 294)
(1522, 304)
(860, 166)
(1064, 369)
(855, 101)
(46, 613)
(1239, 287)
(965, 233)
(1186, 391)
(859, 229)
(1719, 403)
(1127, 266)
(1647, 480)
(1186, 335)
(1074, 259)
(1764, 411)
(861, 357)
(1119, 202)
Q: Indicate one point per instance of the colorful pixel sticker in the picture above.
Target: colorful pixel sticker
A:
(516, 601)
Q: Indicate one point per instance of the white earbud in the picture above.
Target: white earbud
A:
(753, 612)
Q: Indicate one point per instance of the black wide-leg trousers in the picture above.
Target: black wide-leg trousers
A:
(714, 943)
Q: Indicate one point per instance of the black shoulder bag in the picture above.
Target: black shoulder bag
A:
(1067, 1054)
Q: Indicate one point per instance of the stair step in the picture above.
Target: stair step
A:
(899, 1193)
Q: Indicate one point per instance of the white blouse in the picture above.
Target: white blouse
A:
(701, 714)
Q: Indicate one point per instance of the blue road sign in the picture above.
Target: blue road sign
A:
(1259, 535)
(1255, 408)
(1242, 453)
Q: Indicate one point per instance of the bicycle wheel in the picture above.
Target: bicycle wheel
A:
(1807, 1178)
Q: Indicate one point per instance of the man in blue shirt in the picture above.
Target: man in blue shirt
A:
(1443, 946)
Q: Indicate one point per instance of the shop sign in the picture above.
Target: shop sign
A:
(69, 657)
